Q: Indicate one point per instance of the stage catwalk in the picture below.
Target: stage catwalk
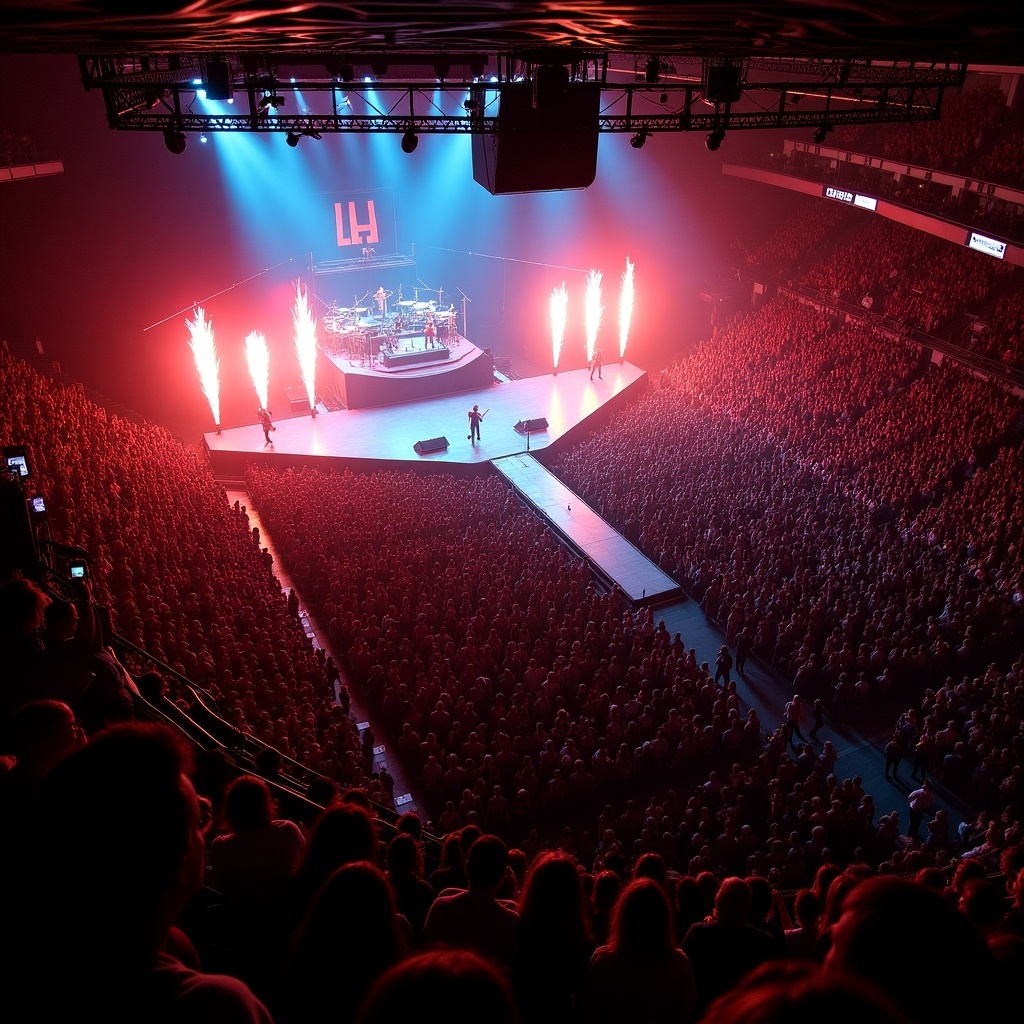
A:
(612, 556)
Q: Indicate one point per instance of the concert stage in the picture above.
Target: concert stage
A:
(386, 437)
(369, 376)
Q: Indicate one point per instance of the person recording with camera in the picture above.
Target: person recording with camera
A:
(52, 648)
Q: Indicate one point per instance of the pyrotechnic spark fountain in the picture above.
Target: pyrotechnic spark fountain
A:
(305, 342)
(625, 307)
(257, 355)
(204, 351)
(593, 311)
(559, 314)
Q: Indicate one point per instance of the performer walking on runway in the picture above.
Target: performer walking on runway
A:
(429, 333)
(266, 423)
(475, 417)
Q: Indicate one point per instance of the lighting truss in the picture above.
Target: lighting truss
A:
(161, 92)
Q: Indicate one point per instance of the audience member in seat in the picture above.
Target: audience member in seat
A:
(475, 918)
(725, 947)
(641, 974)
(350, 937)
(555, 943)
(459, 986)
(413, 893)
(116, 855)
(22, 609)
(42, 733)
(915, 945)
(341, 834)
(799, 992)
(254, 861)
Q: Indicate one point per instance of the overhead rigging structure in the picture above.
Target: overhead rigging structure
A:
(323, 92)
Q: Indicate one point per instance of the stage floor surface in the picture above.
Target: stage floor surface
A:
(389, 434)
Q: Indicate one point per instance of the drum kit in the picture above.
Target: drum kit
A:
(358, 330)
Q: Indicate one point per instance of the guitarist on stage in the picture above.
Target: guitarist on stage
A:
(475, 416)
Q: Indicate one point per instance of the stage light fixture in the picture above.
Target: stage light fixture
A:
(270, 99)
(338, 68)
(652, 70)
(292, 138)
(471, 104)
(203, 137)
(663, 98)
(442, 69)
(638, 140)
(174, 140)
(821, 133)
(409, 142)
(714, 139)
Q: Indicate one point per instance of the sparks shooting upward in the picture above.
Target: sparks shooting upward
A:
(204, 351)
(305, 342)
(559, 314)
(593, 311)
(257, 355)
(625, 307)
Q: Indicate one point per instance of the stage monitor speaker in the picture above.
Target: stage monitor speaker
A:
(546, 140)
(431, 445)
(297, 400)
(531, 426)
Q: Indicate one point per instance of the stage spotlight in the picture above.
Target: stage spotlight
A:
(203, 138)
(338, 68)
(409, 142)
(471, 104)
(270, 100)
(638, 140)
(821, 133)
(663, 98)
(714, 139)
(292, 138)
(174, 140)
(442, 69)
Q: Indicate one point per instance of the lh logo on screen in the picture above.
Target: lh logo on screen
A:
(352, 230)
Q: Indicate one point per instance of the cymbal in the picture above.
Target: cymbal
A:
(406, 302)
(359, 309)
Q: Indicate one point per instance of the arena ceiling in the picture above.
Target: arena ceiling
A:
(979, 33)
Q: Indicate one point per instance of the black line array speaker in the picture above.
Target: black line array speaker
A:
(531, 426)
(431, 445)
(546, 138)
(218, 80)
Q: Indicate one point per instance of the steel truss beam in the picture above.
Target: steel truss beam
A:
(161, 93)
